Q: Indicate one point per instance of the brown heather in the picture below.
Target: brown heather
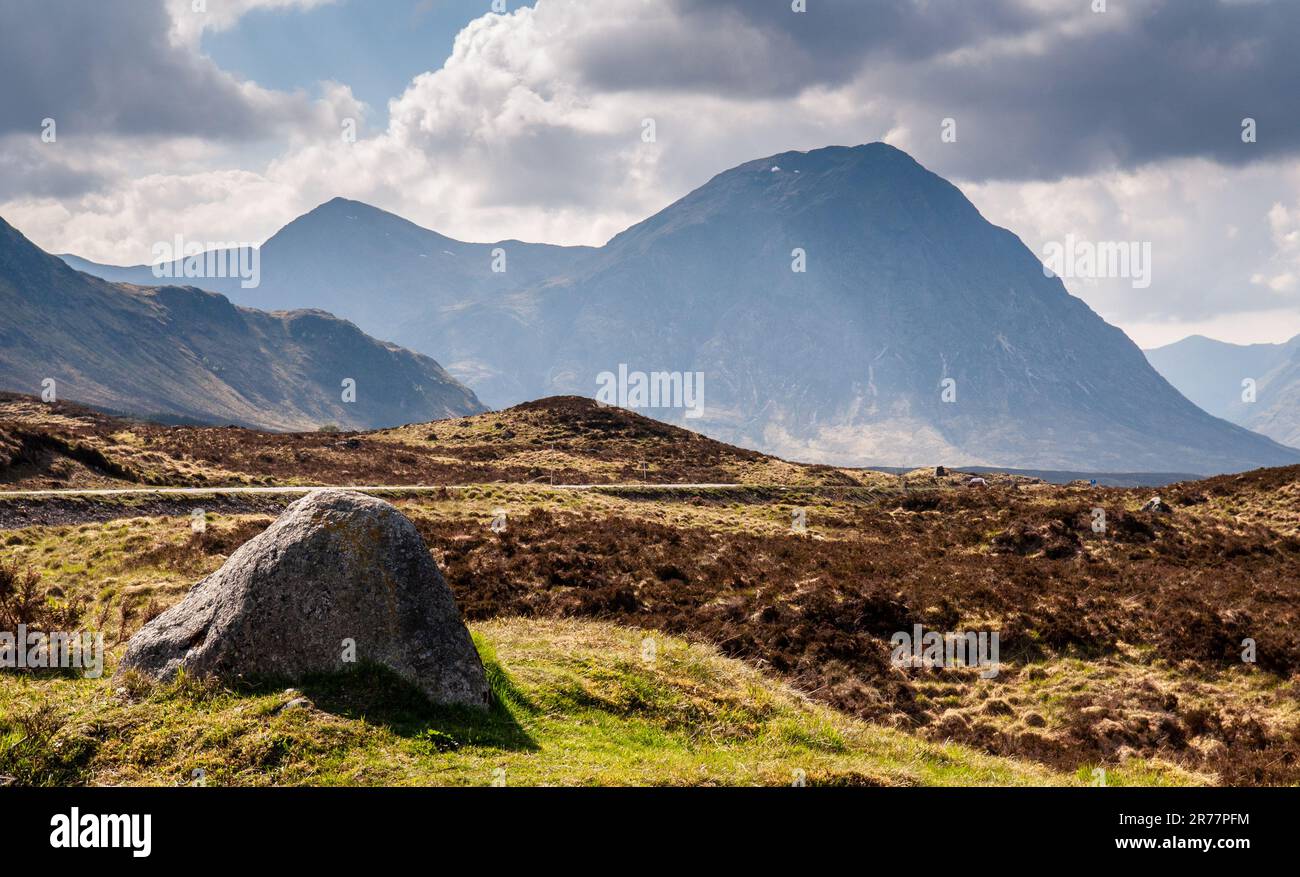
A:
(1114, 645)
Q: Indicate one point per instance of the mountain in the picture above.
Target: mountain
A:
(1212, 373)
(139, 275)
(416, 287)
(181, 353)
(906, 286)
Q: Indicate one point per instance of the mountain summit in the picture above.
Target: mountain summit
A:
(916, 332)
(843, 305)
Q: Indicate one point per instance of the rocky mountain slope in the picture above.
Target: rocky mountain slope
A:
(904, 291)
(184, 354)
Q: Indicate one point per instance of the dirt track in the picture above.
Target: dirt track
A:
(45, 508)
(16, 513)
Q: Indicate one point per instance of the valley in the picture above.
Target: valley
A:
(1120, 651)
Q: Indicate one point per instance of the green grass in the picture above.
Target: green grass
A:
(576, 703)
(1132, 772)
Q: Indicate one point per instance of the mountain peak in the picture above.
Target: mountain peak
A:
(867, 158)
(828, 156)
(338, 202)
(348, 217)
(839, 196)
(12, 239)
(23, 263)
(339, 205)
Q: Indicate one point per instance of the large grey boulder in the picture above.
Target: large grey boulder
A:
(336, 567)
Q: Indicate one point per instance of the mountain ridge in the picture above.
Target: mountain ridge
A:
(1212, 374)
(905, 286)
(190, 354)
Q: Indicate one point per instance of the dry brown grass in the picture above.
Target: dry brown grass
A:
(1116, 643)
(560, 440)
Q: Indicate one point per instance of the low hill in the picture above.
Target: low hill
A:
(564, 440)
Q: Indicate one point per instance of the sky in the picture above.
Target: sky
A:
(1093, 121)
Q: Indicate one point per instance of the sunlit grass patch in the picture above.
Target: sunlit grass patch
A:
(575, 703)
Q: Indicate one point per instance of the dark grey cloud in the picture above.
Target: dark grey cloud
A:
(109, 67)
(760, 48)
(1158, 79)
(29, 167)
(1175, 84)
(1175, 80)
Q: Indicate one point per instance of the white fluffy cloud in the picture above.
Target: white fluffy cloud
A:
(505, 141)
(1220, 242)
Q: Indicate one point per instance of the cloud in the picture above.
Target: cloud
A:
(1280, 274)
(29, 168)
(1172, 80)
(114, 67)
(516, 136)
(767, 49)
(120, 224)
(1040, 89)
(1221, 244)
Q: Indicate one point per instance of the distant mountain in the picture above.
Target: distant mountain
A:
(399, 281)
(1213, 374)
(139, 275)
(180, 353)
(906, 287)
